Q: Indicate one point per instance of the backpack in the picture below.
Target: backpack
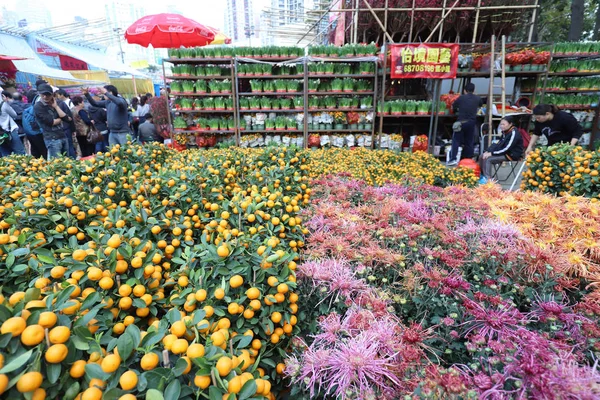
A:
(526, 137)
(30, 125)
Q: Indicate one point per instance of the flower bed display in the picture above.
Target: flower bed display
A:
(417, 293)
(377, 167)
(563, 169)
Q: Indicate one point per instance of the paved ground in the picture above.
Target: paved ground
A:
(505, 180)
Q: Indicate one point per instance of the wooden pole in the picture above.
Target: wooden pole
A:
(385, 22)
(533, 17)
(441, 21)
(441, 32)
(490, 101)
(357, 10)
(378, 21)
(384, 48)
(503, 83)
(412, 18)
(476, 21)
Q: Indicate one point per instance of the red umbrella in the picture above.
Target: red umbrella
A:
(168, 31)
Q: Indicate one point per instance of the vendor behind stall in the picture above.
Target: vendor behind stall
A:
(558, 126)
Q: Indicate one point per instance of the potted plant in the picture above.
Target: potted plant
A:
(265, 69)
(265, 103)
(293, 85)
(209, 103)
(330, 102)
(214, 87)
(352, 118)
(340, 120)
(176, 87)
(228, 103)
(348, 84)
(423, 107)
(280, 123)
(254, 103)
(280, 85)
(442, 108)
(410, 107)
(313, 85)
(226, 86)
(366, 103)
(290, 124)
(298, 102)
(179, 123)
(314, 141)
(200, 124)
(285, 103)
(230, 124)
(201, 86)
(269, 86)
(213, 123)
(344, 103)
(269, 124)
(219, 103)
(256, 85)
(367, 68)
(313, 102)
(243, 125)
(244, 103)
(363, 85)
(337, 85)
(243, 69)
(187, 104)
(275, 104)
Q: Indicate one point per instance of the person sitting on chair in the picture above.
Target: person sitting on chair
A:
(509, 148)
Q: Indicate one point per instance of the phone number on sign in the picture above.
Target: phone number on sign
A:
(422, 68)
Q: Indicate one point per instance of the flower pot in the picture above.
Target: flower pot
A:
(353, 126)
(321, 127)
(361, 126)
(328, 126)
(339, 126)
(368, 126)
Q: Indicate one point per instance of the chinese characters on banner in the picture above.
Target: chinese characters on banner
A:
(72, 64)
(436, 61)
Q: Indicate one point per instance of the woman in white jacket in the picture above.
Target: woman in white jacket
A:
(11, 142)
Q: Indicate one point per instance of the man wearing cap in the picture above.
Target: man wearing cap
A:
(50, 118)
(116, 113)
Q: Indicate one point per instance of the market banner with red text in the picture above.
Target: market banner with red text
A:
(68, 63)
(420, 60)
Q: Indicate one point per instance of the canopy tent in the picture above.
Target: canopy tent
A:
(90, 56)
(17, 47)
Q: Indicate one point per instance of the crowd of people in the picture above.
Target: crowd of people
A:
(55, 124)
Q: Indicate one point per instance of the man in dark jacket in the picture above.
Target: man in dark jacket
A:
(50, 117)
(116, 113)
(98, 115)
(466, 107)
(509, 148)
(147, 130)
